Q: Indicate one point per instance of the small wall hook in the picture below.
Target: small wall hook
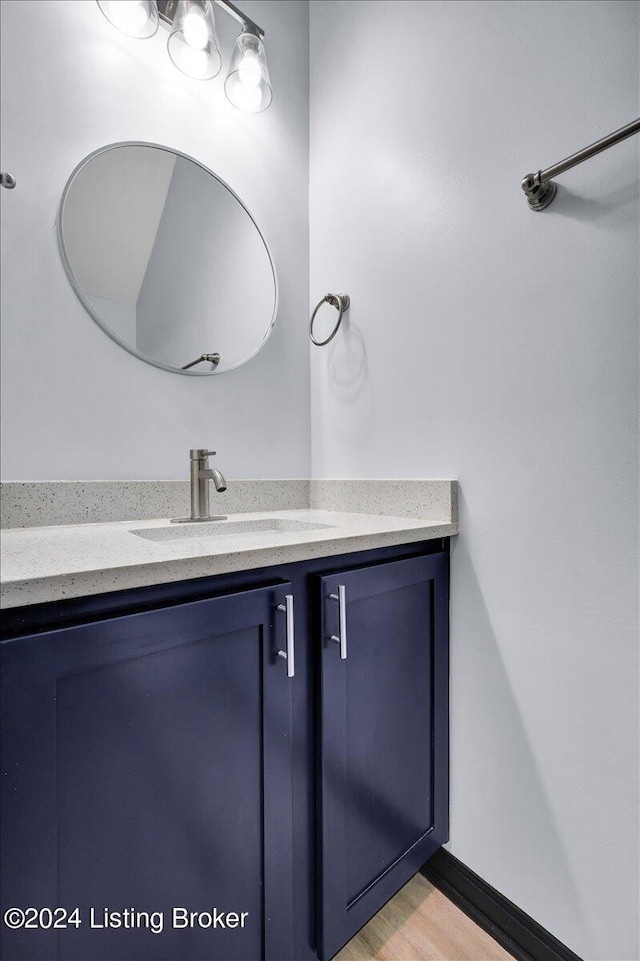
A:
(8, 181)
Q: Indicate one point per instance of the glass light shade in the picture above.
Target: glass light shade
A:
(136, 18)
(248, 86)
(193, 43)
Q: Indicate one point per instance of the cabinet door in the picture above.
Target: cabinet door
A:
(383, 752)
(147, 768)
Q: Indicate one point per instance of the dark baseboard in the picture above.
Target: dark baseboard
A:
(518, 934)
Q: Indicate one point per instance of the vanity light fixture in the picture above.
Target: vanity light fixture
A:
(193, 43)
(248, 86)
(136, 18)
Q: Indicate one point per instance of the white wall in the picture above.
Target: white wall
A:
(75, 404)
(501, 346)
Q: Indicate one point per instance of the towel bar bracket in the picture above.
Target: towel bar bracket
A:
(540, 189)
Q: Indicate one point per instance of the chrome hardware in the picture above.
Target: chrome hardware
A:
(540, 189)
(341, 302)
(341, 598)
(213, 359)
(201, 474)
(240, 17)
(289, 654)
(539, 193)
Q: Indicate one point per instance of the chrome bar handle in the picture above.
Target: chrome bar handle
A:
(341, 598)
(289, 654)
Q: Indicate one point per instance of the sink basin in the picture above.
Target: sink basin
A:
(265, 525)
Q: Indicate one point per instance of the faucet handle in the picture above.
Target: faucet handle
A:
(198, 452)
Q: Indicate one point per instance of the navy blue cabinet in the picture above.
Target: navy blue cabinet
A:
(157, 755)
(383, 736)
(147, 765)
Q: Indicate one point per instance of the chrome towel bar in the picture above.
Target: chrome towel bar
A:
(540, 189)
(213, 359)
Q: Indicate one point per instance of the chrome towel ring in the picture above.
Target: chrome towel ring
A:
(341, 303)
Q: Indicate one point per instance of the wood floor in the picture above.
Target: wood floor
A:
(420, 924)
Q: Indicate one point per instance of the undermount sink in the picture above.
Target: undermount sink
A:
(224, 528)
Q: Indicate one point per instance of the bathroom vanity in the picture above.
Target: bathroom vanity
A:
(255, 761)
(224, 739)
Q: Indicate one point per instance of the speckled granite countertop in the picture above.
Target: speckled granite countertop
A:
(51, 563)
(65, 539)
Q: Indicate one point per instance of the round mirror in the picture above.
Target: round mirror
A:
(167, 259)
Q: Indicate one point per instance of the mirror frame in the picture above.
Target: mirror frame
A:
(91, 310)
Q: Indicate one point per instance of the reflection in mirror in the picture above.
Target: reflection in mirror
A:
(167, 259)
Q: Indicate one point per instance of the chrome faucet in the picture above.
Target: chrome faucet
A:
(201, 474)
